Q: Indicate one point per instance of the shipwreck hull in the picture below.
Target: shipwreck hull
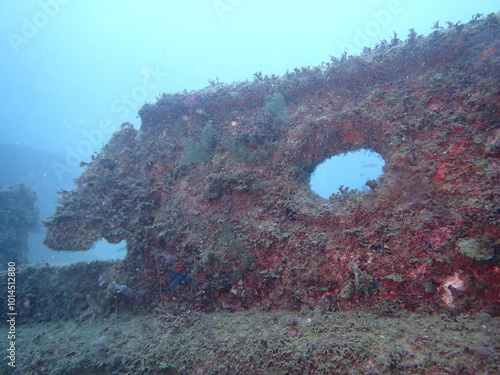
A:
(212, 193)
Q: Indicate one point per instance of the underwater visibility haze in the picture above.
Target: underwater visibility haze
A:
(244, 187)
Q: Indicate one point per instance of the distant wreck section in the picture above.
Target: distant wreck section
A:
(212, 195)
(18, 218)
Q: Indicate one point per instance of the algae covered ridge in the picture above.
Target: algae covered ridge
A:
(234, 266)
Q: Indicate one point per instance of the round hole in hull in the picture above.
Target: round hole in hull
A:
(350, 170)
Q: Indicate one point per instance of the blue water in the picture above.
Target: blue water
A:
(352, 170)
(73, 71)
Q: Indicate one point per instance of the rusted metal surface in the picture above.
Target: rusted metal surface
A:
(212, 194)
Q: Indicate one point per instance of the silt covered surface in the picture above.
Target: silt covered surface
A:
(212, 194)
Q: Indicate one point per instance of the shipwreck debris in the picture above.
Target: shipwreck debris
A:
(218, 180)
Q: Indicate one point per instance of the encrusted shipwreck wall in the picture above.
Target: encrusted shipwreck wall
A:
(212, 193)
